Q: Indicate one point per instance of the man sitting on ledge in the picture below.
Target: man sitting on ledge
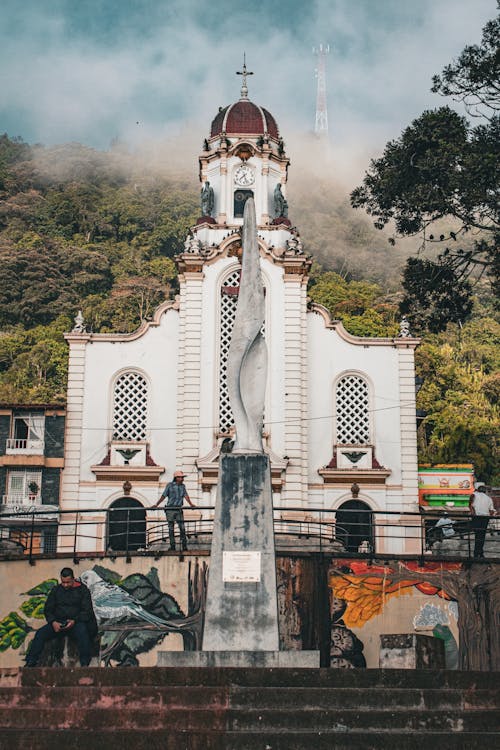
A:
(69, 612)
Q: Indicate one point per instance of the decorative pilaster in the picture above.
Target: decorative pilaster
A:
(409, 459)
(295, 386)
(189, 374)
(74, 420)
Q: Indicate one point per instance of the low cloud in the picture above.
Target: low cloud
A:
(142, 70)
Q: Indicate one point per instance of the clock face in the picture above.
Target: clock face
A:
(244, 176)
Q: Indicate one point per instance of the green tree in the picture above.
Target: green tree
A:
(434, 296)
(444, 168)
(359, 304)
(458, 397)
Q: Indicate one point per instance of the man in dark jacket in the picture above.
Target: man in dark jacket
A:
(69, 612)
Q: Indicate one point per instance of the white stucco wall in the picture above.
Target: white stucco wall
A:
(383, 365)
(154, 354)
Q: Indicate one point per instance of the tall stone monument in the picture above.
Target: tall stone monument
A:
(241, 616)
(242, 611)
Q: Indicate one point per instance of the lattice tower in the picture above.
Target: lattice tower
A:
(321, 123)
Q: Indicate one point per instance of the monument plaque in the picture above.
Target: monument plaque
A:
(241, 567)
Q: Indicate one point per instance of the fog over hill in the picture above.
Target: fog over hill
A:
(339, 237)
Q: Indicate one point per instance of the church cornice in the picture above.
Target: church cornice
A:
(398, 342)
(74, 337)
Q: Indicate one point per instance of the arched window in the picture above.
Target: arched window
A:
(229, 291)
(130, 407)
(126, 525)
(354, 526)
(229, 299)
(240, 198)
(352, 413)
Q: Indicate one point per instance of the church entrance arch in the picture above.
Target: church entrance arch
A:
(354, 526)
(126, 525)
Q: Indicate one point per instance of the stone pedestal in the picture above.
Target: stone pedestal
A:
(246, 659)
(242, 610)
(411, 651)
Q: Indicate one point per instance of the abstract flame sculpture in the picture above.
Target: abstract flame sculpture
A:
(247, 357)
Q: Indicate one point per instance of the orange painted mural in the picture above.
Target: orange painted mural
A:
(366, 588)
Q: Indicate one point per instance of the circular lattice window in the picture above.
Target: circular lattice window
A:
(130, 407)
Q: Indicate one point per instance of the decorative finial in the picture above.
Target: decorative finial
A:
(404, 328)
(79, 326)
(244, 73)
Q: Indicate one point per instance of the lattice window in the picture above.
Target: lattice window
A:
(130, 407)
(352, 411)
(229, 300)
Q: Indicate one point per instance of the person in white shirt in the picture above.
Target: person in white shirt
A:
(481, 508)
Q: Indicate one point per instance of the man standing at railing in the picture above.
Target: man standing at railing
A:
(481, 508)
(175, 492)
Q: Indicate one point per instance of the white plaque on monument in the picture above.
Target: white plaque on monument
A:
(241, 567)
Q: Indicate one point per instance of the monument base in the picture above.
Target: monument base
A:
(269, 659)
(242, 609)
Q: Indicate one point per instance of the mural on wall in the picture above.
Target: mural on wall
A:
(14, 628)
(359, 592)
(366, 588)
(346, 649)
(438, 622)
(133, 613)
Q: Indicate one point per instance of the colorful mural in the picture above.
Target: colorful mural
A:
(367, 588)
(133, 613)
(340, 606)
(361, 593)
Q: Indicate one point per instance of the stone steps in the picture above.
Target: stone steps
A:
(196, 697)
(256, 677)
(247, 709)
(36, 739)
(218, 719)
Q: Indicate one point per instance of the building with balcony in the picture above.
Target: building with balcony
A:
(31, 463)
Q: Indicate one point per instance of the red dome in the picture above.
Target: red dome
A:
(244, 117)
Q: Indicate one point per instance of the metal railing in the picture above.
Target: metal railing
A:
(24, 444)
(368, 534)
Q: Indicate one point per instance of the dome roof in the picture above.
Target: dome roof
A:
(244, 118)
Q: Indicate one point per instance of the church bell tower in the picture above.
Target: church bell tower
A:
(244, 157)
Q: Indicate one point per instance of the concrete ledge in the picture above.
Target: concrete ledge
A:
(304, 659)
(411, 651)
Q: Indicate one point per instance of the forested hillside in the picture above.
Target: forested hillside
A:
(97, 231)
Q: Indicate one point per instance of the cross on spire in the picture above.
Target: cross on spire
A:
(244, 73)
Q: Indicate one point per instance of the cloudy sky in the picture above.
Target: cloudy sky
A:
(91, 70)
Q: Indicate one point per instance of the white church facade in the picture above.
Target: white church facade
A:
(339, 412)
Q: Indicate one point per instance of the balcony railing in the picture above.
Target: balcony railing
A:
(19, 500)
(126, 531)
(26, 446)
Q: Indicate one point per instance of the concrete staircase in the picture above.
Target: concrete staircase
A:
(253, 709)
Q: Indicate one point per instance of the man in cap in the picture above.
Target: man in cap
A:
(481, 508)
(175, 492)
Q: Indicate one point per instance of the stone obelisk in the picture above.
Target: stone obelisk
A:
(242, 612)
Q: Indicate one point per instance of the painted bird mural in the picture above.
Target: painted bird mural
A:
(111, 602)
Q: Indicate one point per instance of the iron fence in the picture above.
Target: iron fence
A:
(370, 534)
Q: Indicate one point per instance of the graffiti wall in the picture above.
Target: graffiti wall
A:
(340, 607)
(140, 607)
(369, 600)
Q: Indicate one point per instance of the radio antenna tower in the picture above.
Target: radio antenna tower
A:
(321, 123)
